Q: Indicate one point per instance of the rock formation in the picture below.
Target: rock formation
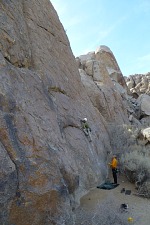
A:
(139, 84)
(102, 61)
(116, 102)
(47, 163)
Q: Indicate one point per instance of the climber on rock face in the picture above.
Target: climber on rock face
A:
(131, 118)
(86, 128)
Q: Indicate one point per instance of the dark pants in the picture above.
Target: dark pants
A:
(114, 173)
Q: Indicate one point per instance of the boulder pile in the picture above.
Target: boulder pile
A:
(138, 84)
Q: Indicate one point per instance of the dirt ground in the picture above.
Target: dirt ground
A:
(100, 207)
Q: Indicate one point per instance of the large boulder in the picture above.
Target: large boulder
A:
(143, 103)
(146, 133)
(47, 162)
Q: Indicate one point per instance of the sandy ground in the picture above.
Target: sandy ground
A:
(138, 207)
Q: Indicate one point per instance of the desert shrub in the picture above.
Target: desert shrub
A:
(136, 165)
(107, 212)
(144, 189)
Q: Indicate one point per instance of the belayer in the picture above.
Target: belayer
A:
(113, 165)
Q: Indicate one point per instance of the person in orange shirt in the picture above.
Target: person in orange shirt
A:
(113, 165)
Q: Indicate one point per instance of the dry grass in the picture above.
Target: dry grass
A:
(136, 165)
(106, 212)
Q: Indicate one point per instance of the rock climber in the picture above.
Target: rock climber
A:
(131, 118)
(113, 165)
(86, 128)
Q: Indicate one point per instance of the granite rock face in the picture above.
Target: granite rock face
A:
(14, 39)
(106, 87)
(107, 92)
(47, 163)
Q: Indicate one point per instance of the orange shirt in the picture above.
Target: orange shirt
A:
(114, 163)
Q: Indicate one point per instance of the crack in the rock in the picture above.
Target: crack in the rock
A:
(15, 164)
(47, 30)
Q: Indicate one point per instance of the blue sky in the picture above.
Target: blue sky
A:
(122, 25)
